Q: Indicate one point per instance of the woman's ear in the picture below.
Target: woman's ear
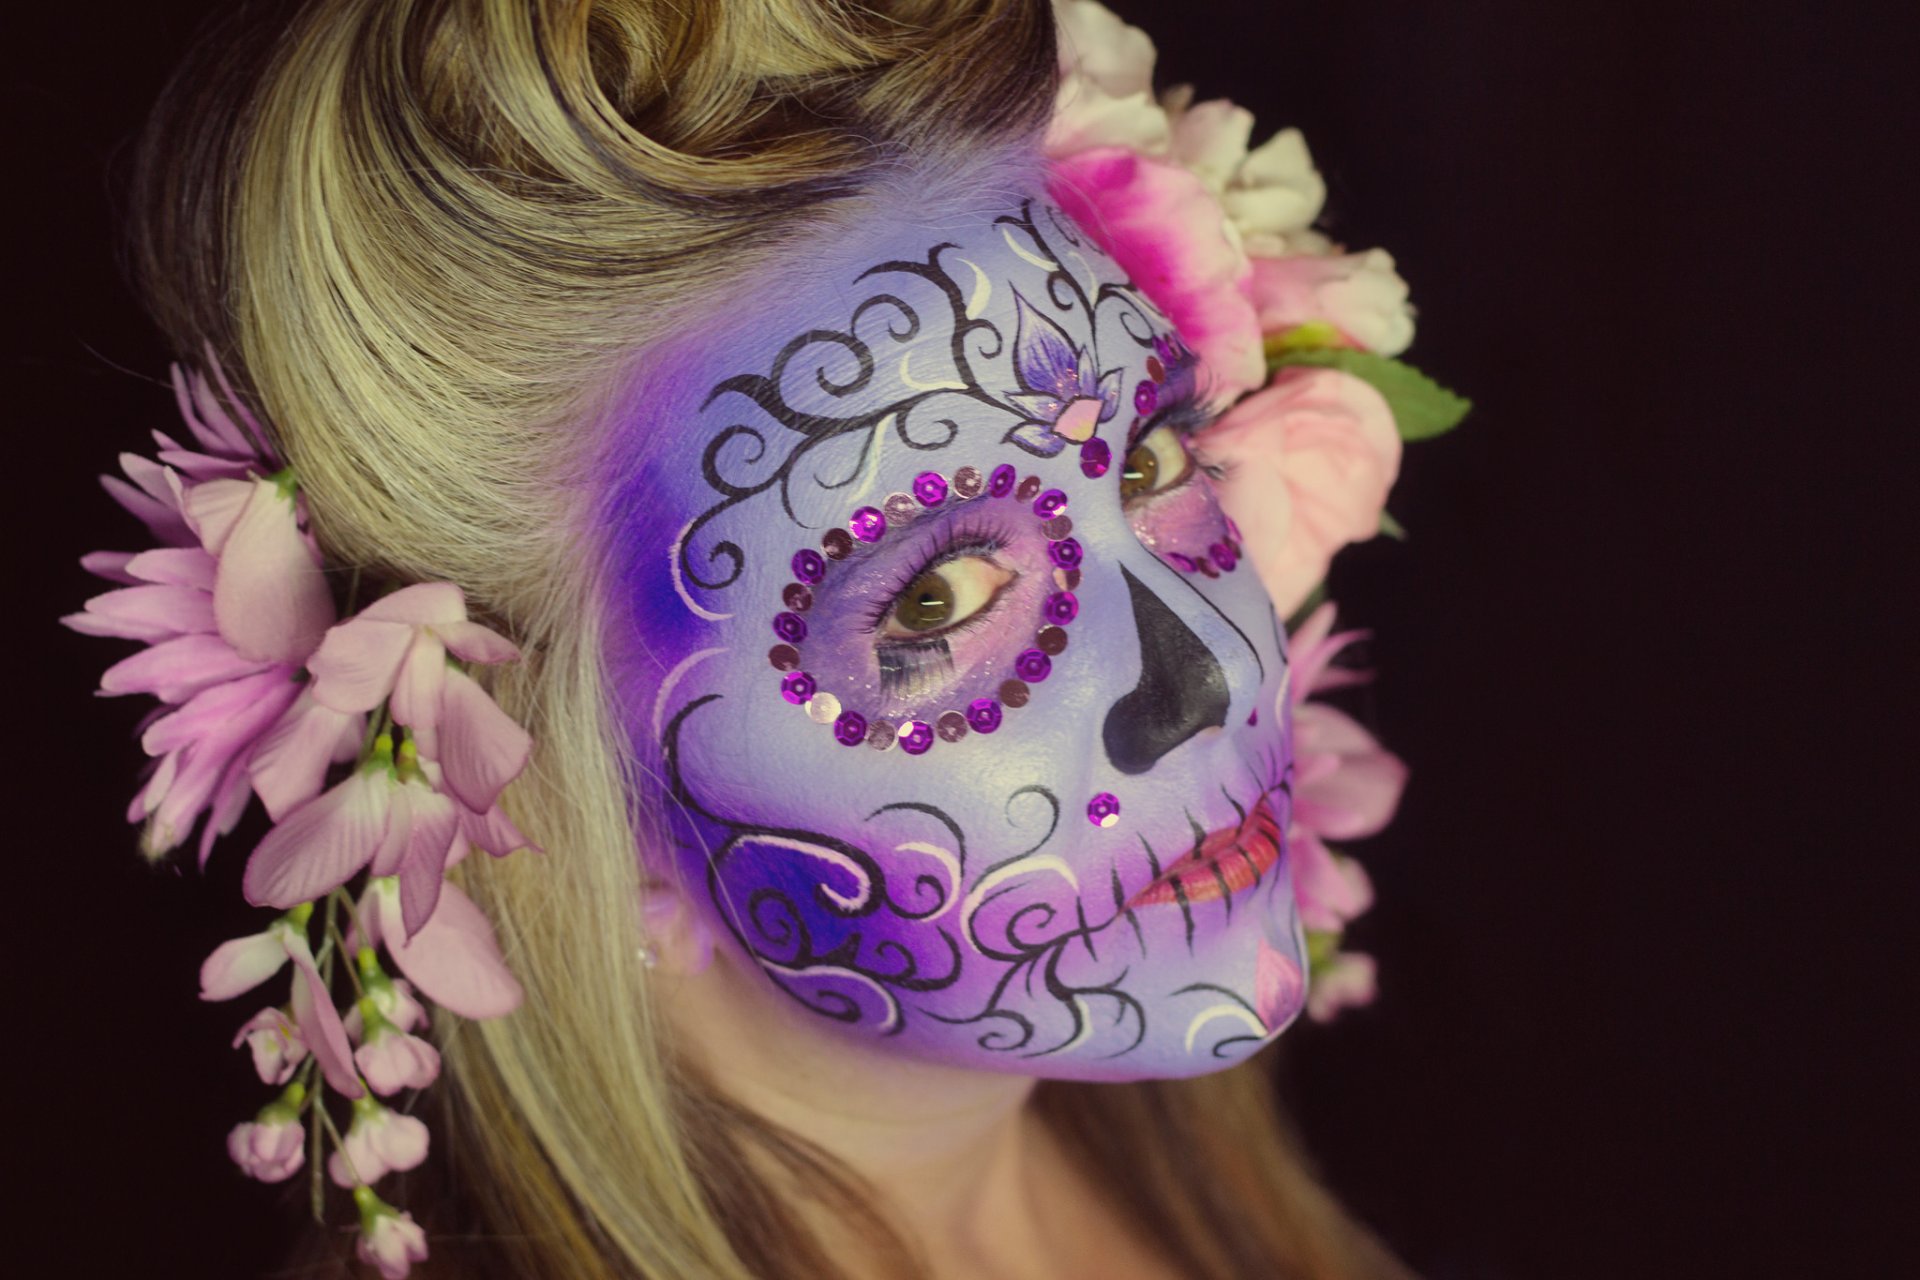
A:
(674, 938)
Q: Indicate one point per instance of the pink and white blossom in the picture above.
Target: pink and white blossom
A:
(1307, 464)
(242, 964)
(453, 958)
(272, 1146)
(395, 650)
(1105, 97)
(275, 1043)
(392, 1060)
(1278, 987)
(1359, 294)
(1168, 233)
(1345, 981)
(392, 999)
(389, 1240)
(378, 1142)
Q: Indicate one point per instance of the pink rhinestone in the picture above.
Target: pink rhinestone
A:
(1104, 809)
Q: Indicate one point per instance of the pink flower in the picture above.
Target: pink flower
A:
(452, 958)
(242, 964)
(378, 1142)
(288, 767)
(1345, 981)
(389, 1239)
(386, 814)
(1330, 890)
(1308, 462)
(392, 999)
(397, 648)
(392, 1060)
(272, 1146)
(229, 609)
(275, 1042)
(1170, 235)
(1359, 294)
(1277, 986)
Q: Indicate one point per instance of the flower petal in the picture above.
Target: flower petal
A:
(453, 959)
(357, 662)
(319, 1023)
(1357, 798)
(270, 596)
(175, 567)
(481, 747)
(320, 845)
(149, 613)
(422, 604)
(1278, 987)
(175, 670)
(289, 767)
(416, 690)
(240, 965)
(472, 642)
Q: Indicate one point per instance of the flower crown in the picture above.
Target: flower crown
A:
(381, 761)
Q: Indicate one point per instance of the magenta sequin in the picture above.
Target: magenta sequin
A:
(1183, 563)
(1096, 455)
(1032, 666)
(931, 488)
(789, 627)
(1061, 608)
(1065, 553)
(797, 598)
(1145, 397)
(1223, 556)
(1050, 504)
(796, 687)
(837, 543)
(915, 737)
(809, 566)
(869, 524)
(850, 730)
(968, 482)
(984, 715)
(951, 726)
(1002, 481)
(1104, 809)
(784, 657)
(1163, 349)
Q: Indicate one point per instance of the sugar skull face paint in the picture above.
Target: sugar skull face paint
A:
(962, 711)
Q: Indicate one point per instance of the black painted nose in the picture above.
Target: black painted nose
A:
(1182, 688)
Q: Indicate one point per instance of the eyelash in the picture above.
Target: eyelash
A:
(908, 667)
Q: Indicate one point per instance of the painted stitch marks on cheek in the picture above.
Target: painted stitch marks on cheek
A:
(935, 615)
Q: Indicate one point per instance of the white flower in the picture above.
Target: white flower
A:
(389, 1238)
(1106, 85)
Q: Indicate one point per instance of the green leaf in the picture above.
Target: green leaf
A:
(1422, 408)
(1315, 598)
(1392, 528)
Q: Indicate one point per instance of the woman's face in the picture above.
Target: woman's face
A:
(969, 722)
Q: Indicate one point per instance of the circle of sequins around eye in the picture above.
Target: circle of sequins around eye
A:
(870, 524)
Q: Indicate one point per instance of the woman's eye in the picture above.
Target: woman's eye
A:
(944, 596)
(1158, 462)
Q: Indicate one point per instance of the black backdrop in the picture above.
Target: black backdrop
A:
(1639, 915)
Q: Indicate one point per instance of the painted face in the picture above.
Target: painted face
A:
(961, 702)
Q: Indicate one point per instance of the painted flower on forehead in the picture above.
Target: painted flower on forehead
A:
(1064, 396)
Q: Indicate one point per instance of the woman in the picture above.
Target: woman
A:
(910, 761)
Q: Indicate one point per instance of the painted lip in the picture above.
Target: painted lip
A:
(1224, 863)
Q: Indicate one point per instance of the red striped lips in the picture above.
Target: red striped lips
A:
(1226, 862)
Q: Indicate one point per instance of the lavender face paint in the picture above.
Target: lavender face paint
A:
(971, 787)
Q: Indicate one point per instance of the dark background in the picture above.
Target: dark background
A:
(1641, 912)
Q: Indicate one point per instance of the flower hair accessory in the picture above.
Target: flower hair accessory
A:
(380, 762)
(1298, 339)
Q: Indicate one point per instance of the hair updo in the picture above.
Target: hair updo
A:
(426, 238)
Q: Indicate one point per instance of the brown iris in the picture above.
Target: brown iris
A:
(926, 603)
(1139, 472)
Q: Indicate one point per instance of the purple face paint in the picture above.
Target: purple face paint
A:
(883, 474)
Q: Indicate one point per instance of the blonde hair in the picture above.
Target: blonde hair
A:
(426, 236)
